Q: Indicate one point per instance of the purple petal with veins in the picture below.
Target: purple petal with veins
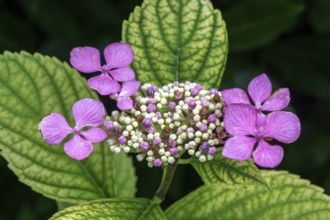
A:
(267, 155)
(260, 89)
(240, 119)
(235, 96)
(78, 148)
(94, 135)
(239, 147)
(282, 126)
(85, 59)
(88, 112)
(129, 88)
(124, 103)
(54, 128)
(103, 84)
(123, 74)
(277, 101)
(118, 55)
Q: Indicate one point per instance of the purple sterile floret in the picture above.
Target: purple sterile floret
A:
(171, 143)
(86, 113)
(174, 151)
(150, 91)
(191, 103)
(158, 162)
(144, 146)
(158, 115)
(151, 108)
(118, 57)
(109, 125)
(178, 95)
(205, 102)
(146, 122)
(250, 127)
(214, 91)
(157, 140)
(124, 99)
(203, 127)
(259, 89)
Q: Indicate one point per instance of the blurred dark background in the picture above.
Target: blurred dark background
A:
(287, 39)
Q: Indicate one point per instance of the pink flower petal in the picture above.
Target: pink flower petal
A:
(54, 128)
(129, 88)
(124, 103)
(260, 89)
(235, 96)
(240, 119)
(88, 112)
(118, 55)
(283, 126)
(238, 148)
(277, 101)
(268, 156)
(85, 59)
(123, 74)
(78, 148)
(103, 84)
(94, 135)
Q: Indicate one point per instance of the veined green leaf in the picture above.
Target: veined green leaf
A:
(177, 40)
(32, 87)
(229, 173)
(117, 208)
(290, 198)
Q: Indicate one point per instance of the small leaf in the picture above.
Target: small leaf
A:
(254, 23)
(119, 208)
(291, 198)
(32, 87)
(177, 40)
(229, 173)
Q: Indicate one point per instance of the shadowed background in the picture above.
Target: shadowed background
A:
(287, 39)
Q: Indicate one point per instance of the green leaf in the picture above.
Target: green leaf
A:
(177, 40)
(32, 87)
(229, 173)
(254, 23)
(121, 208)
(291, 198)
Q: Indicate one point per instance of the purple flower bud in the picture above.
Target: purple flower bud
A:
(178, 95)
(218, 113)
(172, 143)
(175, 84)
(118, 129)
(150, 91)
(158, 115)
(157, 140)
(194, 91)
(151, 108)
(179, 131)
(109, 125)
(151, 130)
(191, 103)
(212, 150)
(174, 151)
(212, 118)
(144, 146)
(190, 130)
(152, 101)
(158, 162)
(171, 105)
(122, 140)
(155, 88)
(146, 122)
(205, 102)
(204, 146)
(203, 127)
(214, 91)
(199, 87)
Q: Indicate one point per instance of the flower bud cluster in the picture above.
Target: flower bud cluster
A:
(167, 122)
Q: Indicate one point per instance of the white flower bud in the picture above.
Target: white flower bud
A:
(161, 151)
(127, 149)
(202, 158)
(191, 152)
(167, 154)
(171, 160)
(139, 157)
(150, 153)
(125, 133)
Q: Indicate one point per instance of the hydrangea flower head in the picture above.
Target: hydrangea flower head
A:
(259, 89)
(87, 113)
(118, 57)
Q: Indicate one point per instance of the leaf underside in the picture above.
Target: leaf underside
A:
(290, 198)
(177, 40)
(31, 87)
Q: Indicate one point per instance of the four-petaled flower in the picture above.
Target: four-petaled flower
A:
(87, 113)
(118, 57)
(124, 100)
(260, 89)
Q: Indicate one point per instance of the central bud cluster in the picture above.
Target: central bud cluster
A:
(167, 122)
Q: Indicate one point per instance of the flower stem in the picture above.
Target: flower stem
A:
(184, 161)
(166, 182)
